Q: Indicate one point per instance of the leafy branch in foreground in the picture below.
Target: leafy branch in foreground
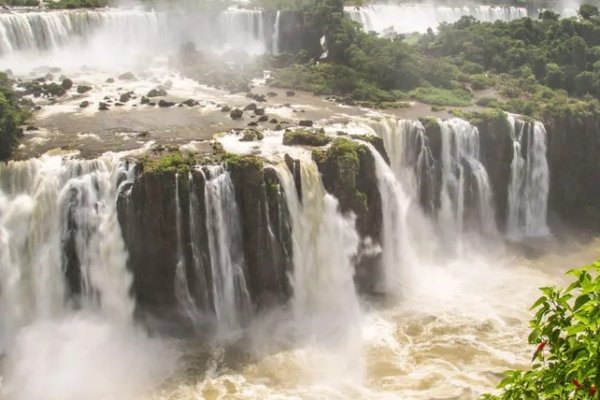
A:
(566, 330)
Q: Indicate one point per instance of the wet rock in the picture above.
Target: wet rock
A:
(119, 104)
(106, 98)
(305, 137)
(290, 93)
(125, 97)
(251, 135)
(250, 107)
(164, 103)
(110, 80)
(32, 128)
(67, 84)
(49, 77)
(54, 89)
(253, 123)
(157, 92)
(81, 89)
(84, 104)
(189, 102)
(168, 84)
(263, 118)
(236, 114)
(225, 109)
(259, 111)
(103, 106)
(273, 121)
(144, 100)
(306, 123)
(271, 94)
(152, 104)
(127, 76)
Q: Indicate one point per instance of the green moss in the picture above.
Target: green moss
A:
(251, 135)
(305, 137)
(430, 123)
(236, 161)
(71, 4)
(12, 115)
(171, 162)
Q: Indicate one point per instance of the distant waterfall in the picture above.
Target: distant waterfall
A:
(231, 296)
(465, 184)
(529, 181)
(276, 30)
(324, 244)
(406, 18)
(59, 233)
(112, 30)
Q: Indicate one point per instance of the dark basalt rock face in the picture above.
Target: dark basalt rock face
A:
(574, 161)
(268, 254)
(147, 215)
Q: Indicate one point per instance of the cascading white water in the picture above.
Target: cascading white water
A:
(529, 181)
(398, 248)
(43, 203)
(230, 293)
(463, 175)
(324, 243)
(406, 18)
(113, 31)
(182, 287)
(410, 156)
(276, 30)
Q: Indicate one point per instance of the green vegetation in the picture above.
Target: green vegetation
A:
(173, 161)
(12, 115)
(236, 161)
(441, 97)
(566, 331)
(305, 137)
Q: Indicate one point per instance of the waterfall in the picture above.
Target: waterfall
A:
(324, 243)
(529, 180)
(465, 184)
(276, 30)
(406, 18)
(58, 234)
(399, 251)
(182, 287)
(111, 30)
(411, 159)
(230, 293)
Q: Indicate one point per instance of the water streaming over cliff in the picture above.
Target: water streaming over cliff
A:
(230, 293)
(406, 18)
(60, 216)
(530, 180)
(324, 301)
(122, 31)
(466, 193)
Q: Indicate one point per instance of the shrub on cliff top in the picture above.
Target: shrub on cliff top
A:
(305, 137)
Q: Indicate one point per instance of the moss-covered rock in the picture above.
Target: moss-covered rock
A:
(251, 135)
(305, 137)
(348, 172)
(236, 113)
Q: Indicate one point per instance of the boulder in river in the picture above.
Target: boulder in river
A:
(189, 102)
(157, 92)
(259, 111)
(263, 118)
(103, 106)
(67, 84)
(84, 104)
(290, 93)
(81, 89)
(306, 123)
(164, 103)
(127, 76)
(236, 113)
(250, 107)
(125, 97)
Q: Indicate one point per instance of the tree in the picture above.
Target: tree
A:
(587, 11)
(566, 333)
